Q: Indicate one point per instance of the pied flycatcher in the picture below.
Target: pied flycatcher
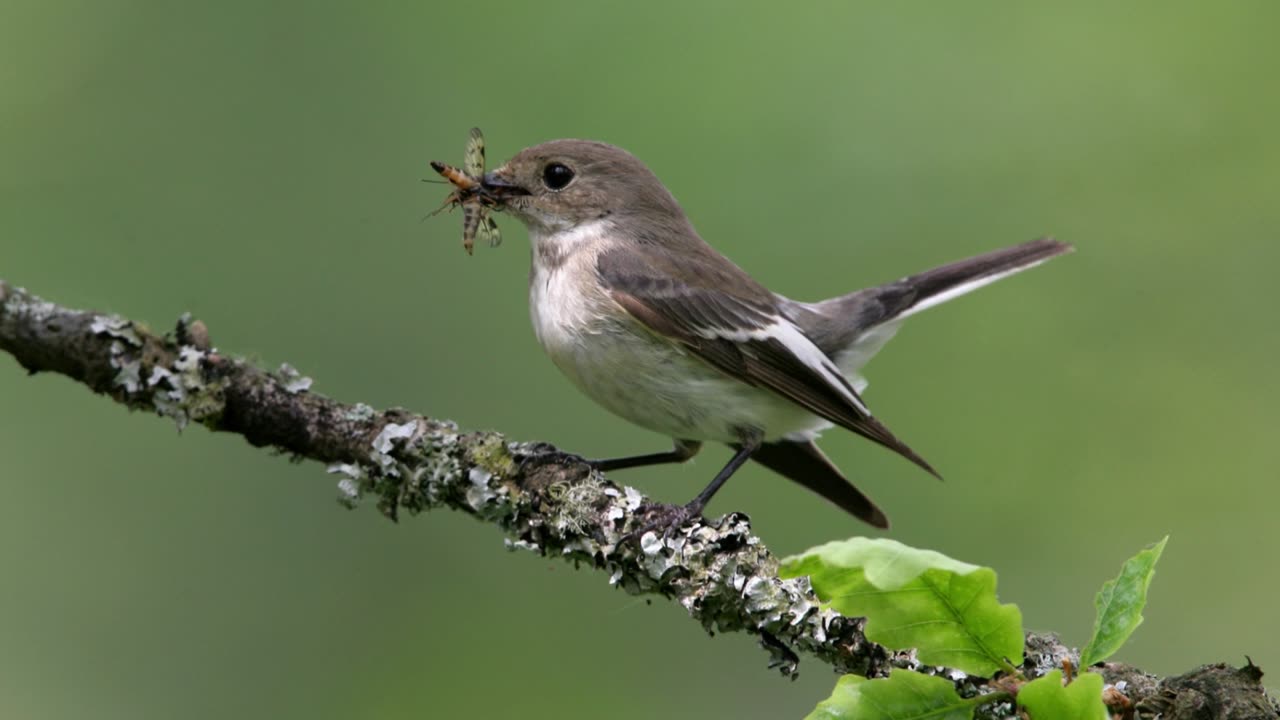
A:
(654, 324)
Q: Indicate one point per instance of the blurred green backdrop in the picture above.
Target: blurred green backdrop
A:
(258, 164)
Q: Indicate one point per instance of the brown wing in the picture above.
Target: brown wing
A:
(743, 335)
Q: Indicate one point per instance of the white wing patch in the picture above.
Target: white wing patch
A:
(799, 345)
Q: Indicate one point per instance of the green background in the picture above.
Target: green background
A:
(258, 164)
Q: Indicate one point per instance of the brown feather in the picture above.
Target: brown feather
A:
(682, 306)
(838, 322)
(804, 463)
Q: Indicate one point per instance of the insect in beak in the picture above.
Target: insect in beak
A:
(470, 193)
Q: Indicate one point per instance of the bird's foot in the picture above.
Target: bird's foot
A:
(546, 454)
(664, 519)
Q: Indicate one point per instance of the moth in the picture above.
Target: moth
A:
(476, 221)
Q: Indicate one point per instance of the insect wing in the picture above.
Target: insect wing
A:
(488, 230)
(473, 160)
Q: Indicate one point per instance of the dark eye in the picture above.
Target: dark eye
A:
(556, 176)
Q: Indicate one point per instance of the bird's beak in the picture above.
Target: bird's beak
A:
(498, 187)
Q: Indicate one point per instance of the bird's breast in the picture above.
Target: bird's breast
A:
(567, 304)
(631, 371)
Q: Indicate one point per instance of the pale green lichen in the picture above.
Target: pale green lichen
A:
(411, 466)
(719, 572)
(441, 469)
(129, 369)
(514, 545)
(180, 392)
(485, 494)
(31, 310)
(490, 452)
(477, 490)
(116, 327)
(294, 382)
(574, 510)
(353, 483)
(177, 391)
(385, 442)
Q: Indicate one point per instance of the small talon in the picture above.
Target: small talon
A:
(669, 518)
(552, 457)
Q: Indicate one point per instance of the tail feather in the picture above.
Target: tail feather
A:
(868, 317)
(851, 328)
(934, 287)
(805, 464)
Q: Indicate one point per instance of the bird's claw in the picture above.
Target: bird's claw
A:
(549, 455)
(661, 516)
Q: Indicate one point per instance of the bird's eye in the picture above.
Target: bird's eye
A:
(556, 176)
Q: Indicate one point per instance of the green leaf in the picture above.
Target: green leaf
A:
(1045, 698)
(946, 609)
(1119, 604)
(904, 695)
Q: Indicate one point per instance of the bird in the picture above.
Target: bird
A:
(658, 327)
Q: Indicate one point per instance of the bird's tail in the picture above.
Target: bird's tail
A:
(804, 463)
(860, 322)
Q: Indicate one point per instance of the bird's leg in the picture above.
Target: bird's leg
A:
(750, 443)
(673, 516)
(683, 450)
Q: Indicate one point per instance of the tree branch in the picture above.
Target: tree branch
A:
(542, 499)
